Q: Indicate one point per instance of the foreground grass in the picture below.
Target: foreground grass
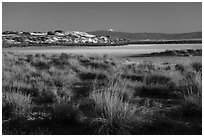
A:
(75, 94)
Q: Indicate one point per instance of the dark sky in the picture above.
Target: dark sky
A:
(128, 17)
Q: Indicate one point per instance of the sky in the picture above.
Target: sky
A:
(133, 17)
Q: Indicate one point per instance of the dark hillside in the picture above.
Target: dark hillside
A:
(142, 36)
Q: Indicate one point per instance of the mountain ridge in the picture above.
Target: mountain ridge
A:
(146, 35)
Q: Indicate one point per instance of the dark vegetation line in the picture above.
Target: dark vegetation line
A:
(181, 53)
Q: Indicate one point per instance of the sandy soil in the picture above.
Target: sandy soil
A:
(109, 50)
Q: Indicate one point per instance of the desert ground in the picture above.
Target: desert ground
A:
(126, 50)
(60, 91)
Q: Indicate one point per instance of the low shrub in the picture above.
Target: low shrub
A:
(179, 67)
(191, 94)
(92, 76)
(41, 65)
(133, 77)
(16, 105)
(155, 91)
(146, 66)
(94, 64)
(113, 115)
(63, 110)
(157, 79)
(46, 94)
(197, 66)
(81, 89)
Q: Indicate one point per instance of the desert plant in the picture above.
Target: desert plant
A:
(46, 94)
(41, 65)
(197, 66)
(157, 79)
(194, 93)
(155, 91)
(179, 67)
(146, 66)
(113, 115)
(63, 110)
(16, 105)
(92, 76)
(191, 94)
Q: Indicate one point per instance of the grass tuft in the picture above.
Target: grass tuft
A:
(16, 105)
(113, 115)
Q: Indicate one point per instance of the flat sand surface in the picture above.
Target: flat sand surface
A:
(126, 50)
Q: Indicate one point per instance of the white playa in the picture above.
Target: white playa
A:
(109, 50)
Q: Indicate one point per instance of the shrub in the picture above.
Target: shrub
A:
(191, 94)
(41, 65)
(111, 112)
(179, 67)
(59, 62)
(29, 58)
(146, 66)
(23, 87)
(92, 76)
(157, 79)
(156, 91)
(94, 64)
(63, 110)
(81, 89)
(133, 77)
(197, 66)
(16, 105)
(46, 94)
(64, 56)
(113, 115)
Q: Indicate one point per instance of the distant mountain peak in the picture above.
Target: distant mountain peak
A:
(110, 30)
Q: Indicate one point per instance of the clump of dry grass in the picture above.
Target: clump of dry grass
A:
(197, 66)
(191, 94)
(63, 110)
(16, 105)
(113, 115)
